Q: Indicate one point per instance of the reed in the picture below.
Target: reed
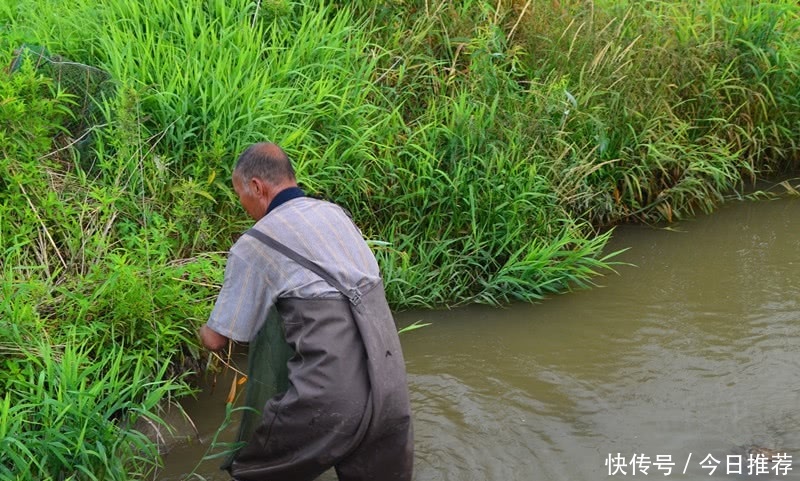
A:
(580, 115)
(486, 148)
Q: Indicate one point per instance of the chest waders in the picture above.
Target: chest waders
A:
(346, 404)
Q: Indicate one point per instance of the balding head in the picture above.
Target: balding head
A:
(267, 162)
(261, 173)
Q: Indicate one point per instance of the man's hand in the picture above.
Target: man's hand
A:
(213, 340)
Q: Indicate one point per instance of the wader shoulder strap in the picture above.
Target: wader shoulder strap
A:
(354, 295)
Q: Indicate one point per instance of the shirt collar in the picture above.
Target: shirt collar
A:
(283, 196)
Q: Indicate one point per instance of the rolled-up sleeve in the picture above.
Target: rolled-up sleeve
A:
(243, 301)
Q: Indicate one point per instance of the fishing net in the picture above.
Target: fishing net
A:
(87, 86)
(267, 375)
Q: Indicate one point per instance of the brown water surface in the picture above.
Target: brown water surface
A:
(694, 351)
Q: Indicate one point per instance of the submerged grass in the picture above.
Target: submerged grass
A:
(485, 148)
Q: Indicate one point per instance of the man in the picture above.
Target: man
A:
(347, 403)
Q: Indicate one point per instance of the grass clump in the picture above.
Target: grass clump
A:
(96, 328)
(486, 148)
(66, 414)
(524, 124)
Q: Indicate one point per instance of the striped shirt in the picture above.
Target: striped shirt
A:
(256, 276)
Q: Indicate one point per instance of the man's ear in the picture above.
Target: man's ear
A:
(257, 186)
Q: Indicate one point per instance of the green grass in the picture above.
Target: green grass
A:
(66, 414)
(485, 148)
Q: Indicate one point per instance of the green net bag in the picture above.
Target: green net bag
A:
(267, 376)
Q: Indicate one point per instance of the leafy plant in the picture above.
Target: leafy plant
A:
(69, 415)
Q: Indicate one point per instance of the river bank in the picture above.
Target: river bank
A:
(486, 148)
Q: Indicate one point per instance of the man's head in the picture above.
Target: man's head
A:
(261, 172)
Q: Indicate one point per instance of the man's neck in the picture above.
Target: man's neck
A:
(287, 193)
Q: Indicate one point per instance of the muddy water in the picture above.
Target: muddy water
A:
(692, 351)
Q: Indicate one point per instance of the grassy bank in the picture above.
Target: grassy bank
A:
(484, 147)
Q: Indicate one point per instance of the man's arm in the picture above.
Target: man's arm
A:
(242, 304)
(213, 340)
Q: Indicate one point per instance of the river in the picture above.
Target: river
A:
(687, 355)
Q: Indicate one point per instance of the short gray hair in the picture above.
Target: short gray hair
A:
(265, 161)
